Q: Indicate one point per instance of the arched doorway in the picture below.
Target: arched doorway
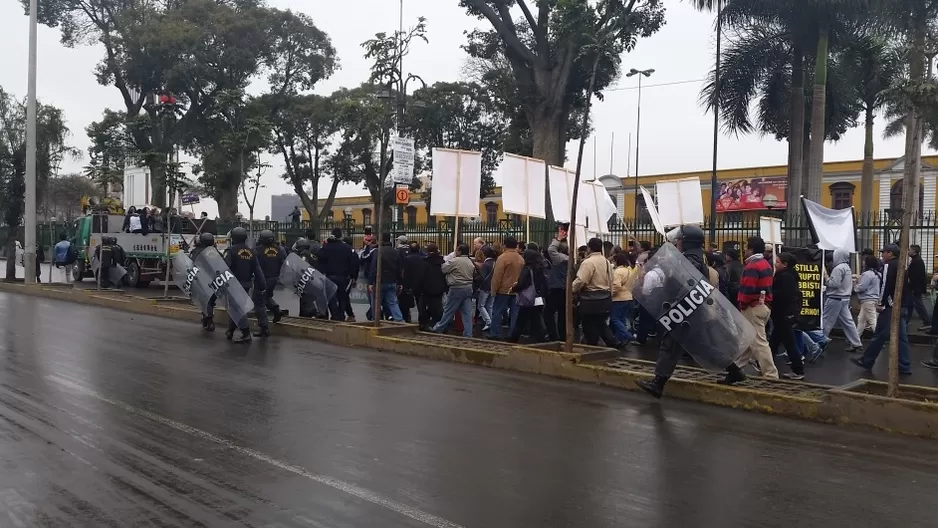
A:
(895, 199)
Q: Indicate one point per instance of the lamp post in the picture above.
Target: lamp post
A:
(716, 127)
(29, 220)
(638, 125)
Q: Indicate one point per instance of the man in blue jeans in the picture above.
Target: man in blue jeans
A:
(391, 266)
(459, 272)
(883, 323)
(505, 274)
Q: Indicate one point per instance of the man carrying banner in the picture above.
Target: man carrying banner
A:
(692, 314)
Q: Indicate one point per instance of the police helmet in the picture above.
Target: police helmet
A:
(206, 240)
(691, 236)
(266, 237)
(239, 235)
(302, 244)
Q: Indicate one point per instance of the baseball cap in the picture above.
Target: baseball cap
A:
(892, 248)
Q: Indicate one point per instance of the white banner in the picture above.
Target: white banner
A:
(403, 149)
(457, 183)
(652, 210)
(561, 182)
(831, 228)
(523, 190)
(679, 202)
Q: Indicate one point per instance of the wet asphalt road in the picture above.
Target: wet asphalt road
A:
(111, 419)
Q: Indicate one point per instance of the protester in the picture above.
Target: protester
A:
(391, 267)
(431, 288)
(918, 282)
(594, 284)
(837, 301)
(531, 290)
(624, 278)
(754, 299)
(486, 300)
(505, 274)
(411, 276)
(786, 305)
(884, 321)
(459, 272)
(555, 311)
(868, 288)
(734, 273)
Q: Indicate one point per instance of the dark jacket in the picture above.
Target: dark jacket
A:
(335, 259)
(392, 264)
(734, 273)
(527, 275)
(918, 281)
(786, 300)
(488, 267)
(412, 272)
(243, 264)
(433, 282)
(557, 276)
(270, 259)
(889, 286)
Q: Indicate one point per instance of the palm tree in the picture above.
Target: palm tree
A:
(875, 66)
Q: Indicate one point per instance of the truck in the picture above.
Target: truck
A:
(146, 256)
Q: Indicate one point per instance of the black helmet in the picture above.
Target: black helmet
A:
(692, 237)
(266, 237)
(206, 240)
(239, 235)
(302, 244)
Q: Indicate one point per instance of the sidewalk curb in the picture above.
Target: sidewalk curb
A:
(859, 403)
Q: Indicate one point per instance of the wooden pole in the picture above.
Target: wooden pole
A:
(571, 234)
(458, 185)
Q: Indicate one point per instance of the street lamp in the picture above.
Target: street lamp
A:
(638, 125)
(29, 220)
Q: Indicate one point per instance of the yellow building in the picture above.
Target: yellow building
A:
(840, 189)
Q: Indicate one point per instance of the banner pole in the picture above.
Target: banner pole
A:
(458, 188)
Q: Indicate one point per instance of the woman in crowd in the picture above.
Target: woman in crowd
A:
(786, 305)
(530, 304)
(623, 281)
(868, 288)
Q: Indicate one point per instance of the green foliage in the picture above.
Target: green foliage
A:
(539, 66)
(51, 150)
(111, 148)
(64, 194)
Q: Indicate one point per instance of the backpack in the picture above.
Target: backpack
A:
(70, 255)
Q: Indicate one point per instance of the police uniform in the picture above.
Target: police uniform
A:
(105, 255)
(206, 240)
(308, 307)
(270, 257)
(242, 261)
(691, 239)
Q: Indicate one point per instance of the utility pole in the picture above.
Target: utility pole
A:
(638, 125)
(29, 220)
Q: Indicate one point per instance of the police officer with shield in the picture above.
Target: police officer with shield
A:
(243, 264)
(682, 295)
(206, 240)
(270, 256)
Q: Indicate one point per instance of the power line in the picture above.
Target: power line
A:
(673, 83)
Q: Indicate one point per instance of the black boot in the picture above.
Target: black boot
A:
(654, 387)
(263, 332)
(208, 324)
(734, 375)
(229, 334)
(278, 315)
(245, 336)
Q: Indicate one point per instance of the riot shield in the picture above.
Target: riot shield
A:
(224, 284)
(193, 282)
(692, 311)
(115, 273)
(307, 283)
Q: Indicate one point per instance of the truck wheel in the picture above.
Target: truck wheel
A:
(133, 276)
(78, 270)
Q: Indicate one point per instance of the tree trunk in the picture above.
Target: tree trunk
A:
(796, 138)
(327, 205)
(818, 112)
(11, 258)
(157, 185)
(866, 178)
(314, 212)
(547, 134)
(910, 179)
(227, 201)
(805, 163)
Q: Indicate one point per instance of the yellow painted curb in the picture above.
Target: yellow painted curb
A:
(861, 403)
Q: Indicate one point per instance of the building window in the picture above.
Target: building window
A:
(895, 200)
(366, 216)
(411, 216)
(642, 211)
(842, 195)
(491, 213)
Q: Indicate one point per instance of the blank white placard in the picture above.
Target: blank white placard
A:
(680, 202)
(561, 182)
(652, 210)
(457, 183)
(523, 190)
(770, 229)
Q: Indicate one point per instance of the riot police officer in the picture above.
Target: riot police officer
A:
(105, 255)
(689, 239)
(206, 240)
(270, 256)
(308, 308)
(243, 264)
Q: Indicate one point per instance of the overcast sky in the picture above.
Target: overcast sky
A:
(675, 132)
